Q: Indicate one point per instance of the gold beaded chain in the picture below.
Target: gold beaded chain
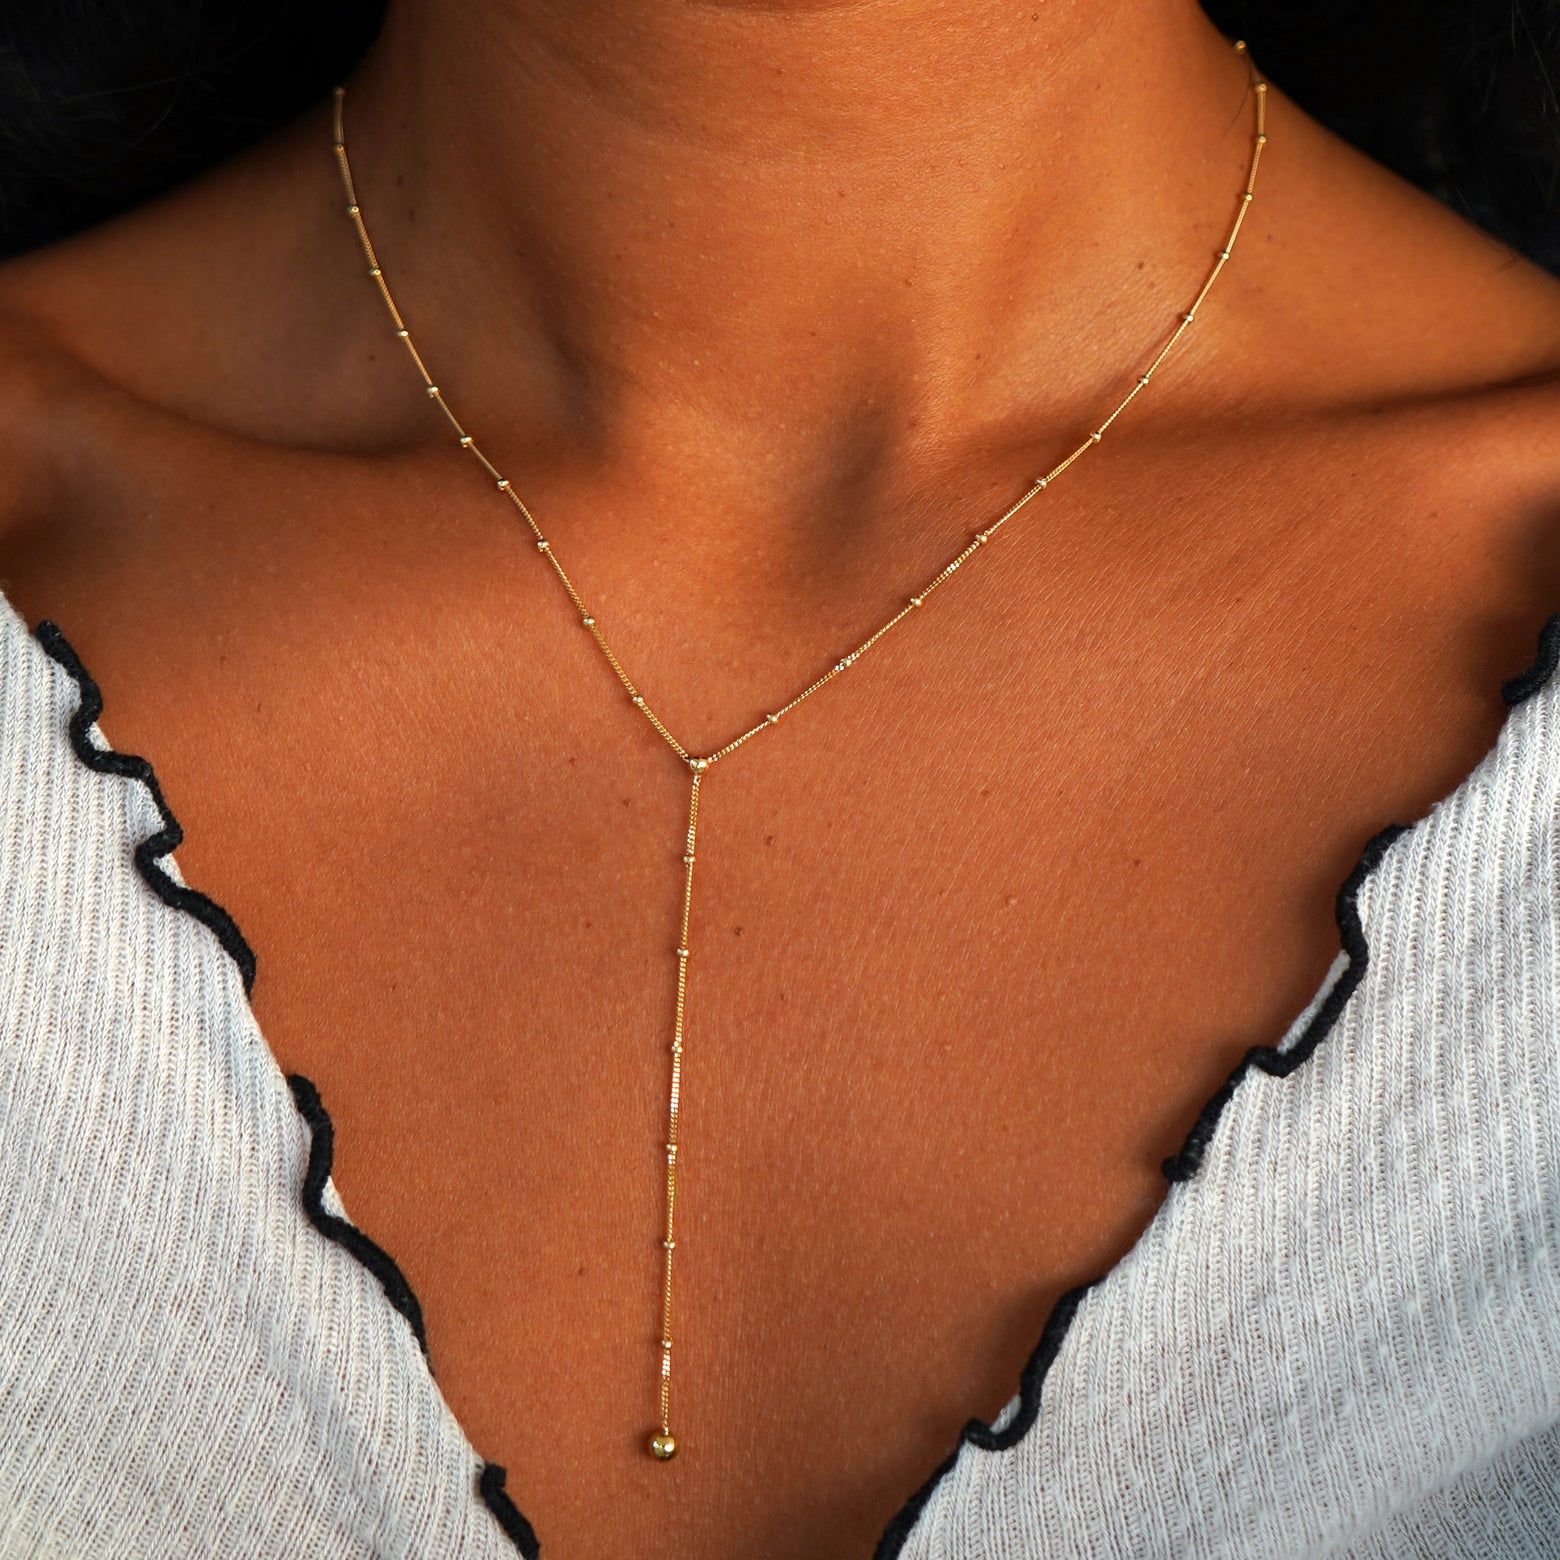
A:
(663, 1444)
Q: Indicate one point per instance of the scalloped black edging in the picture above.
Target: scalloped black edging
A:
(322, 1137)
(1180, 1166)
(373, 1256)
(149, 853)
(1518, 689)
(490, 1485)
(1184, 1164)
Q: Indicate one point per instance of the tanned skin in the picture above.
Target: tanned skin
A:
(765, 307)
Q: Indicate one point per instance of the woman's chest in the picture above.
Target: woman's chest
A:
(962, 972)
(1340, 1277)
(973, 936)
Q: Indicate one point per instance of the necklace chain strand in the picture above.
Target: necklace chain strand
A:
(663, 1444)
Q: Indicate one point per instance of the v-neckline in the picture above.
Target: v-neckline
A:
(1013, 1423)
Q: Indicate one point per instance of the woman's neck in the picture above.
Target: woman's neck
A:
(641, 221)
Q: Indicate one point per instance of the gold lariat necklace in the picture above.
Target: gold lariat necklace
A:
(663, 1444)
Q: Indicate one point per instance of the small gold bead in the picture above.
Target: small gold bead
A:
(688, 859)
(671, 1245)
(1247, 198)
(341, 146)
(465, 441)
(1224, 254)
(1261, 140)
(772, 720)
(503, 483)
(374, 270)
(639, 701)
(544, 545)
(352, 211)
(663, 1447)
(698, 765)
(589, 622)
(403, 334)
(1188, 318)
(1143, 379)
(1096, 436)
(433, 390)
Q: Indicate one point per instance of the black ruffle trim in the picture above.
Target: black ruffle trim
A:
(373, 1256)
(148, 862)
(1516, 690)
(151, 850)
(490, 1485)
(1184, 1164)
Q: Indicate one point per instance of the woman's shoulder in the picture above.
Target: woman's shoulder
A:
(212, 310)
(232, 303)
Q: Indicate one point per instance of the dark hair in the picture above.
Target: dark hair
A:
(103, 104)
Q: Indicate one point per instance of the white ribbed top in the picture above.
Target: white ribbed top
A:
(1339, 1337)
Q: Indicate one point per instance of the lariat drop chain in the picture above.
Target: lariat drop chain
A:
(663, 1444)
